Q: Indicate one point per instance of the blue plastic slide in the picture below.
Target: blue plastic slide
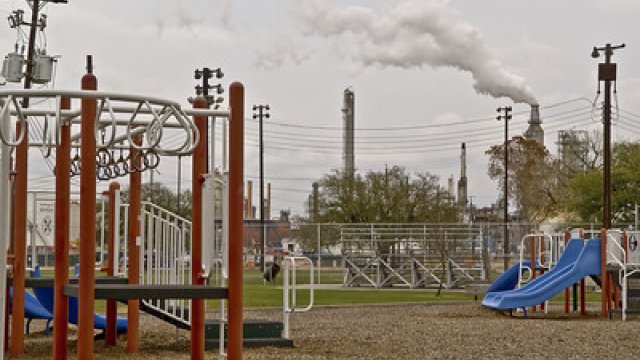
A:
(509, 279)
(33, 310)
(577, 261)
(45, 296)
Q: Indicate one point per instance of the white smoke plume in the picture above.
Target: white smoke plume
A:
(279, 53)
(413, 34)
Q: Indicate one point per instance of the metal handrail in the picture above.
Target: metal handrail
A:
(622, 273)
(547, 266)
(290, 288)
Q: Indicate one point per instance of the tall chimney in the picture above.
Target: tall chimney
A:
(249, 210)
(462, 183)
(534, 131)
(348, 116)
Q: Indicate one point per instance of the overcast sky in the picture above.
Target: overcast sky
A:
(427, 74)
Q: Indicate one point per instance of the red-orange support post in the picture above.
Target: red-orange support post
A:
(61, 254)
(135, 206)
(567, 235)
(86, 277)
(20, 243)
(604, 297)
(198, 170)
(110, 337)
(236, 200)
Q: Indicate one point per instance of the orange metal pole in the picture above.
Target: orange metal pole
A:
(198, 170)
(567, 235)
(61, 267)
(604, 298)
(20, 243)
(135, 206)
(236, 198)
(110, 337)
(86, 277)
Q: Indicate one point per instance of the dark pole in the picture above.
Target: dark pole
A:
(262, 113)
(606, 73)
(506, 117)
(32, 48)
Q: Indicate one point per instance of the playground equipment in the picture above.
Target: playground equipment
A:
(108, 123)
(610, 259)
(44, 297)
(579, 259)
(412, 255)
(290, 290)
(33, 309)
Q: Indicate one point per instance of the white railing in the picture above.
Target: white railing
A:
(165, 258)
(290, 288)
(546, 254)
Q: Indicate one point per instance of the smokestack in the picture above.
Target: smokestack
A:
(534, 131)
(462, 183)
(452, 195)
(249, 210)
(348, 105)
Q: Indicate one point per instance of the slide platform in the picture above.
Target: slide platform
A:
(579, 259)
(45, 297)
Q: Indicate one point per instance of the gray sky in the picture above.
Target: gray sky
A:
(424, 74)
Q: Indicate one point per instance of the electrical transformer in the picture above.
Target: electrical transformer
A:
(42, 69)
(12, 67)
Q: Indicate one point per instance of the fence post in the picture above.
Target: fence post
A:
(319, 253)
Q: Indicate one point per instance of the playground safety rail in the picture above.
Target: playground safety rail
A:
(290, 288)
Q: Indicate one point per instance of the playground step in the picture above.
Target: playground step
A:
(252, 329)
(257, 333)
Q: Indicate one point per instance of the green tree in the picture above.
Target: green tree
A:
(534, 184)
(391, 195)
(161, 195)
(586, 189)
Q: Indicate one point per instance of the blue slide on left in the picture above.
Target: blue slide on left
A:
(579, 260)
(509, 279)
(45, 297)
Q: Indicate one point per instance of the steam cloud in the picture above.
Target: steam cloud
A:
(279, 53)
(413, 34)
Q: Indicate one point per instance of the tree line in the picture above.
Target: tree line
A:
(541, 187)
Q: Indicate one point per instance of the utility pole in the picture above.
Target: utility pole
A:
(607, 73)
(506, 116)
(203, 90)
(203, 74)
(16, 19)
(262, 113)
